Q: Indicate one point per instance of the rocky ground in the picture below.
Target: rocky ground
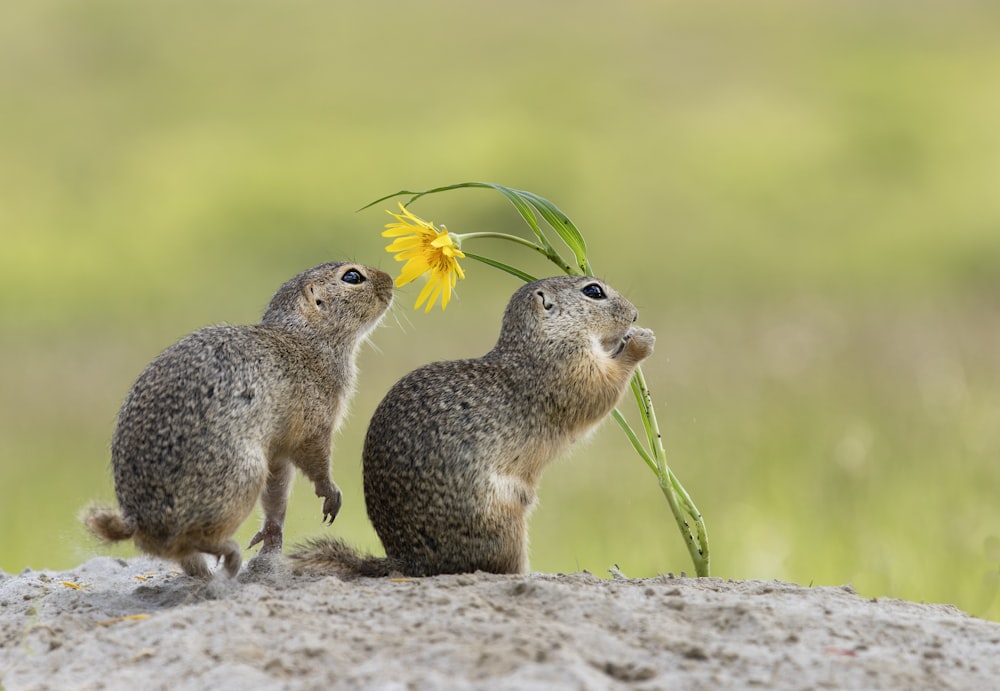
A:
(112, 623)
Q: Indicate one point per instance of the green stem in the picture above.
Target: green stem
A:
(499, 236)
(546, 251)
(636, 444)
(675, 494)
(649, 419)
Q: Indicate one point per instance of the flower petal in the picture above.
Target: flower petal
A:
(404, 243)
(425, 292)
(411, 218)
(439, 285)
(447, 284)
(397, 232)
(413, 269)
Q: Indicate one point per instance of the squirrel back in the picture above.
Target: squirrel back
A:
(455, 451)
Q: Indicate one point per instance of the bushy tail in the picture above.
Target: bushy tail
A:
(107, 523)
(325, 555)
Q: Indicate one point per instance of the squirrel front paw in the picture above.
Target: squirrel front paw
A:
(331, 505)
(641, 341)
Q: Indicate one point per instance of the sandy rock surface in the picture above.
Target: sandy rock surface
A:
(118, 624)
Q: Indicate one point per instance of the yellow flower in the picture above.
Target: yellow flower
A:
(425, 249)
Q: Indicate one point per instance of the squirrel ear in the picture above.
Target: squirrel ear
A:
(314, 298)
(545, 301)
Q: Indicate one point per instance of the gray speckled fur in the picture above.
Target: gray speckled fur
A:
(219, 419)
(454, 452)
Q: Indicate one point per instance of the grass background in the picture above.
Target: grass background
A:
(801, 197)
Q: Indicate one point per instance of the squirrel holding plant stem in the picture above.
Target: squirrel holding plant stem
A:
(220, 418)
(455, 451)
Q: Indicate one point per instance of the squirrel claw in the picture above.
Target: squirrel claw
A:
(331, 507)
(270, 535)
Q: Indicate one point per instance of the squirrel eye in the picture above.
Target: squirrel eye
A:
(353, 277)
(593, 291)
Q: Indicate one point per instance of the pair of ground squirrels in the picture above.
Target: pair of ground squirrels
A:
(453, 453)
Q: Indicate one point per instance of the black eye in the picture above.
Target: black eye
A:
(593, 291)
(353, 277)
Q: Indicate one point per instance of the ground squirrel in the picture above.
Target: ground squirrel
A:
(219, 419)
(454, 452)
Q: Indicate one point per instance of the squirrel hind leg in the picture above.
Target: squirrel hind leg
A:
(228, 552)
(194, 565)
(231, 558)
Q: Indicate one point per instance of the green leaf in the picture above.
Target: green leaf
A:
(382, 199)
(527, 278)
(523, 208)
(561, 223)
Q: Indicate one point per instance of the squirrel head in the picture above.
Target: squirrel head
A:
(565, 314)
(339, 299)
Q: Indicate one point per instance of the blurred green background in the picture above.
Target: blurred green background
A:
(801, 197)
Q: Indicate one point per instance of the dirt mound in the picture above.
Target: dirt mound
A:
(113, 623)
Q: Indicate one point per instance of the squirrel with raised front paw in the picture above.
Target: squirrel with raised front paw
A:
(220, 419)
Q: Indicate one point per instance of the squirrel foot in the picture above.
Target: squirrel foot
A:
(270, 535)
